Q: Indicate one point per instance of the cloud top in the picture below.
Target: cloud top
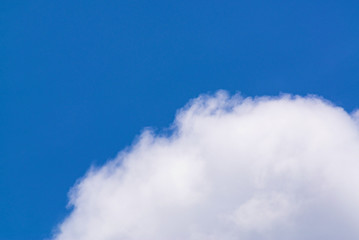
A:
(233, 168)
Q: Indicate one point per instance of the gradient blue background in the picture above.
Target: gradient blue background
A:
(80, 79)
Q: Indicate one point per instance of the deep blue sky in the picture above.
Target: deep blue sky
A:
(80, 79)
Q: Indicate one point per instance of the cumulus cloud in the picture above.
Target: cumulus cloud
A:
(232, 168)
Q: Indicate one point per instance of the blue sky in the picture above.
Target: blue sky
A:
(80, 79)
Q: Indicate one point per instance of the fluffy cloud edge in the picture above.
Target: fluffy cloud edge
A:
(276, 206)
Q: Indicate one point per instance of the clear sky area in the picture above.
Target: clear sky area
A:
(79, 80)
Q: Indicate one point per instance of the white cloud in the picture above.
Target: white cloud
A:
(261, 213)
(234, 168)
